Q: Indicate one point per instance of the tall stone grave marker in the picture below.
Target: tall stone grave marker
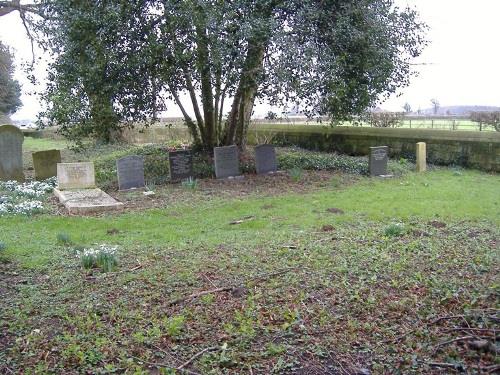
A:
(181, 164)
(265, 159)
(11, 153)
(130, 172)
(227, 162)
(45, 163)
(75, 176)
(378, 160)
(421, 157)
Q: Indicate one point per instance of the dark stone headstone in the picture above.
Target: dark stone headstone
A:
(227, 162)
(378, 160)
(130, 172)
(181, 165)
(45, 163)
(11, 153)
(265, 159)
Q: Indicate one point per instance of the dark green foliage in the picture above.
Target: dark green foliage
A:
(115, 61)
(3, 246)
(322, 161)
(10, 90)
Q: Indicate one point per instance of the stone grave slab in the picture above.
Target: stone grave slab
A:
(11, 153)
(379, 157)
(181, 165)
(88, 201)
(265, 159)
(130, 172)
(421, 157)
(227, 163)
(75, 176)
(45, 163)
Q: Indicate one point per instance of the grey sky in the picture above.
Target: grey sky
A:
(463, 59)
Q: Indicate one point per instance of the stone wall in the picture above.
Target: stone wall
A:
(472, 149)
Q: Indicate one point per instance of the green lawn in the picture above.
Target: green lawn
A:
(302, 283)
(40, 144)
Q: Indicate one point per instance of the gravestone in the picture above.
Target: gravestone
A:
(421, 157)
(227, 162)
(181, 165)
(75, 176)
(11, 153)
(77, 191)
(45, 163)
(130, 172)
(265, 159)
(378, 160)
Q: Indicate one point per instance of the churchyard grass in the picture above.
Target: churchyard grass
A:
(280, 283)
(42, 144)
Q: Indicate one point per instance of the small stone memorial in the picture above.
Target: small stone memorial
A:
(378, 160)
(87, 201)
(421, 157)
(75, 176)
(11, 153)
(45, 163)
(227, 162)
(181, 165)
(130, 172)
(77, 191)
(265, 159)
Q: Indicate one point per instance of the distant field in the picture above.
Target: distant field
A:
(452, 123)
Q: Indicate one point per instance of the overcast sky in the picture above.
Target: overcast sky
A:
(462, 62)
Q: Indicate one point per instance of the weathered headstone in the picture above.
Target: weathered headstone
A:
(75, 176)
(11, 153)
(130, 172)
(45, 163)
(227, 162)
(265, 159)
(421, 157)
(181, 165)
(77, 191)
(378, 160)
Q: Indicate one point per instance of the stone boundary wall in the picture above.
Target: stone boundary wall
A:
(471, 149)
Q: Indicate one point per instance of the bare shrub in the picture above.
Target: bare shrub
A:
(385, 119)
(487, 119)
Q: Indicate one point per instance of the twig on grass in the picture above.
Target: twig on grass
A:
(163, 365)
(199, 354)
(246, 218)
(453, 366)
(458, 339)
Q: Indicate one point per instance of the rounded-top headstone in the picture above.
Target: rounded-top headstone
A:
(45, 163)
(11, 153)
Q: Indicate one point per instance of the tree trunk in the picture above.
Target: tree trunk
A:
(241, 110)
(204, 69)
